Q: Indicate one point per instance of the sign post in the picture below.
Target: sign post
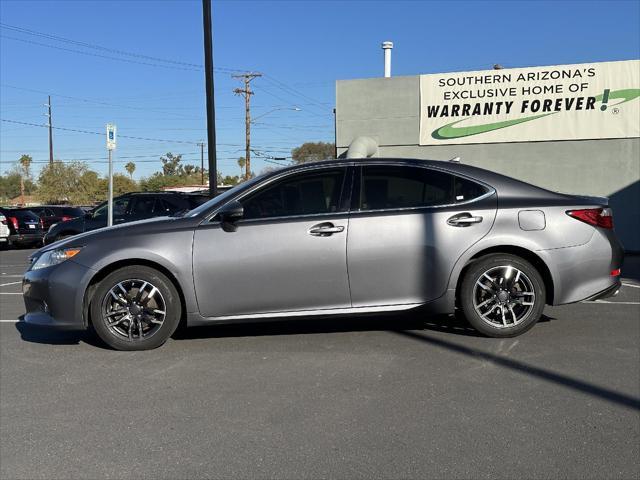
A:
(111, 146)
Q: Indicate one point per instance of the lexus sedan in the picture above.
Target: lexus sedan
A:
(334, 238)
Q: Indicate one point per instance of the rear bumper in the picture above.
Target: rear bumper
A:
(584, 272)
(26, 238)
(54, 296)
(611, 291)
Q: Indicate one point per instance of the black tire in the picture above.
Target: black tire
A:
(168, 294)
(501, 327)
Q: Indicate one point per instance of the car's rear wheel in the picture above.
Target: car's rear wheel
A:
(502, 295)
(135, 308)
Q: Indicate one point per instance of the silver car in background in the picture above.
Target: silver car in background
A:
(335, 238)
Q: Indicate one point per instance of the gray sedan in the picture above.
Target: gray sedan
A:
(335, 238)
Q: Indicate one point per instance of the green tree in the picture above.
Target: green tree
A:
(25, 165)
(10, 185)
(313, 152)
(171, 164)
(130, 168)
(70, 182)
(242, 162)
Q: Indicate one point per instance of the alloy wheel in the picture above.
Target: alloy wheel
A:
(133, 310)
(503, 296)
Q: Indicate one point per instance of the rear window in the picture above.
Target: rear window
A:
(24, 215)
(466, 190)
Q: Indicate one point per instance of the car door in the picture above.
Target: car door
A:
(288, 252)
(408, 227)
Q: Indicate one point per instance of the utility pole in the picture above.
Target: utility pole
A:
(202, 163)
(211, 111)
(246, 93)
(50, 133)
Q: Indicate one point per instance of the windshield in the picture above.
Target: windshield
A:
(223, 197)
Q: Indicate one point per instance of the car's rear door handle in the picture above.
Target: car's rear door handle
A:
(463, 220)
(325, 229)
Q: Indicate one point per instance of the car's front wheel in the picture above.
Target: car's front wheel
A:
(135, 308)
(502, 295)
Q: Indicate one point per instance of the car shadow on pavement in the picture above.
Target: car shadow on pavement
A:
(311, 325)
(526, 369)
(51, 336)
(382, 322)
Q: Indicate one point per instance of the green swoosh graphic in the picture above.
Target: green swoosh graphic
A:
(451, 131)
(628, 95)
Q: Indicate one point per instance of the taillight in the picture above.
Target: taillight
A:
(616, 272)
(65, 218)
(598, 217)
(14, 221)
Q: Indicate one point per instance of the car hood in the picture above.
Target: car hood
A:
(131, 228)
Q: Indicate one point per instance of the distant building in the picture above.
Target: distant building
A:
(27, 201)
(569, 128)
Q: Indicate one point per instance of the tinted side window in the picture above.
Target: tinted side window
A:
(143, 205)
(466, 190)
(72, 212)
(388, 187)
(167, 206)
(303, 194)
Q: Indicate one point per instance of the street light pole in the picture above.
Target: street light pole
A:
(211, 113)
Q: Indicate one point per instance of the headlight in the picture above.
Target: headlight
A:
(54, 257)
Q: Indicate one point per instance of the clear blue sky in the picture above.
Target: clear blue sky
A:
(302, 47)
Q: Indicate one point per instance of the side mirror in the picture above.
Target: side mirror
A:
(229, 214)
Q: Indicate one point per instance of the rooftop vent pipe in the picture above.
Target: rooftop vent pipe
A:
(362, 147)
(387, 47)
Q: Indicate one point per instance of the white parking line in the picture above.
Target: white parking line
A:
(630, 285)
(10, 321)
(7, 284)
(613, 303)
(10, 293)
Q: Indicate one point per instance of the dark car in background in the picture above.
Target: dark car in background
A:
(127, 208)
(51, 214)
(25, 227)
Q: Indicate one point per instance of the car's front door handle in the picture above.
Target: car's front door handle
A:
(325, 229)
(463, 220)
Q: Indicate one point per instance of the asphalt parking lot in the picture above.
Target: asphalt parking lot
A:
(385, 397)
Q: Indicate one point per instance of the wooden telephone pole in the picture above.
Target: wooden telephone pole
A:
(246, 93)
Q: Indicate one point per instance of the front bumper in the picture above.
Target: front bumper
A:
(54, 296)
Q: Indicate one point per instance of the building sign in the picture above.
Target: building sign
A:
(564, 102)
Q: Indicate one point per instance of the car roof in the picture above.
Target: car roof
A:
(506, 186)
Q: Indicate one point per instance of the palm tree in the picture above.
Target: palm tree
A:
(241, 163)
(25, 164)
(130, 168)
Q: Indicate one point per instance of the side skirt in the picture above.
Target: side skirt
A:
(194, 319)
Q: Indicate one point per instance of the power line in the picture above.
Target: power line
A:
(176, 63)
(97, 102)
(99, 133)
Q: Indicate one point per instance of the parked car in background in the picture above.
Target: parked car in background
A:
(335, 238)
(127, 208)
(4, 231)
(25, 227)
(51, 214)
